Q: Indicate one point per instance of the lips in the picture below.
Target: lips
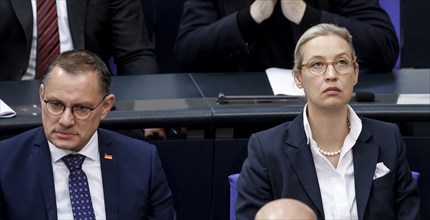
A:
(332, 89)
(64, 134)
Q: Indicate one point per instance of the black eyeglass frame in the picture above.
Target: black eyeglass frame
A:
(73, 108)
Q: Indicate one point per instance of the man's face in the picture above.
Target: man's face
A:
(65, 131)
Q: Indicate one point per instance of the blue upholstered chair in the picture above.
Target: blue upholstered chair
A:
(232, 179)
(415, 175)
(392, 7)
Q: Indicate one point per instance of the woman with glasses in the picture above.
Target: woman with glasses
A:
(340, 165)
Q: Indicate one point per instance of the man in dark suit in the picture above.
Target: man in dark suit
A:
(340, 165)
(107, 28)
(124, 176)
(248, 35)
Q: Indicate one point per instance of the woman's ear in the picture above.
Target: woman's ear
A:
(356, 72)
(298, 78)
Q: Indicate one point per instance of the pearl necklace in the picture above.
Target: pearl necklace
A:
(329, 153)
(336, 152)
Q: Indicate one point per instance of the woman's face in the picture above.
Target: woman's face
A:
(330, 89)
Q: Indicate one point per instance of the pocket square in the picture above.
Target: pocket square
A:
(380, 171)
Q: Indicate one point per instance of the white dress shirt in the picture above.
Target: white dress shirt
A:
(337, 184)
(66, 42)
(92, 169)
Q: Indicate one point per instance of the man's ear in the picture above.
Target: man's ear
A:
(41, 90)
(107, 104)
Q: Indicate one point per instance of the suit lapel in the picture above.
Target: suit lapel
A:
(109, 167)
(43, 164)
(76, 11)
(302, 162)
(365, 159)
(24, 13)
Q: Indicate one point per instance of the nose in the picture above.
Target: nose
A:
(67, 119)
(330, 73)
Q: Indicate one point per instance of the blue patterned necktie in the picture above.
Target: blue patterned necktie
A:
(80, 197)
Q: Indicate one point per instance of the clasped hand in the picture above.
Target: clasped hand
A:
(293, 10)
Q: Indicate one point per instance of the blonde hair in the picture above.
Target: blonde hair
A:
(317, 31)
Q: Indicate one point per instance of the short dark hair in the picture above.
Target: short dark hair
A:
(82, 61)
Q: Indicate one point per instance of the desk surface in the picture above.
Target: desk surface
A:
(404, 81)
(190, 100)
(386, 87)
(141, 101)
(139, 87)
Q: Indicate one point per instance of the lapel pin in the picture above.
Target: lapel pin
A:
(108, 156)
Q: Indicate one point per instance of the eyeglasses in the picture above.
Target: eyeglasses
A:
(342, 66)
(80, 112)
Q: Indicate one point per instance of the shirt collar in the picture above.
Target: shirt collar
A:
(354, 120)
(356, 125)
(306, 125)
(90, 150)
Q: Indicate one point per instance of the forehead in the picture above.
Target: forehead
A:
(60, 80)
(325, 46)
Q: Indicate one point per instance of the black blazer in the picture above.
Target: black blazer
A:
(280, 165)
(209, 38)
(105, 27)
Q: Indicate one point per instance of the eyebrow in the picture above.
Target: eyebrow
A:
(54, 99)
(322, 57)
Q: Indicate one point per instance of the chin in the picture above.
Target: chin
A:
(335, 104)
(65, 145)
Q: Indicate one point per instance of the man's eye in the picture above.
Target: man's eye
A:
(57, 104)
(80, 108)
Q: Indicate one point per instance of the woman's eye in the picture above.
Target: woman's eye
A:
(317, 64)
(342, 62)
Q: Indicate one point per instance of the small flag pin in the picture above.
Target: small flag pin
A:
(108, 156)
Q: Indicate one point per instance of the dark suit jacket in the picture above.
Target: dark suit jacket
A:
(210, 39)
(134, 184)
(280, 165)
(105, 27)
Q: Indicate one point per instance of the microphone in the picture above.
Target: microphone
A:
(223, 99)
(359, 96)
(364, 96)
